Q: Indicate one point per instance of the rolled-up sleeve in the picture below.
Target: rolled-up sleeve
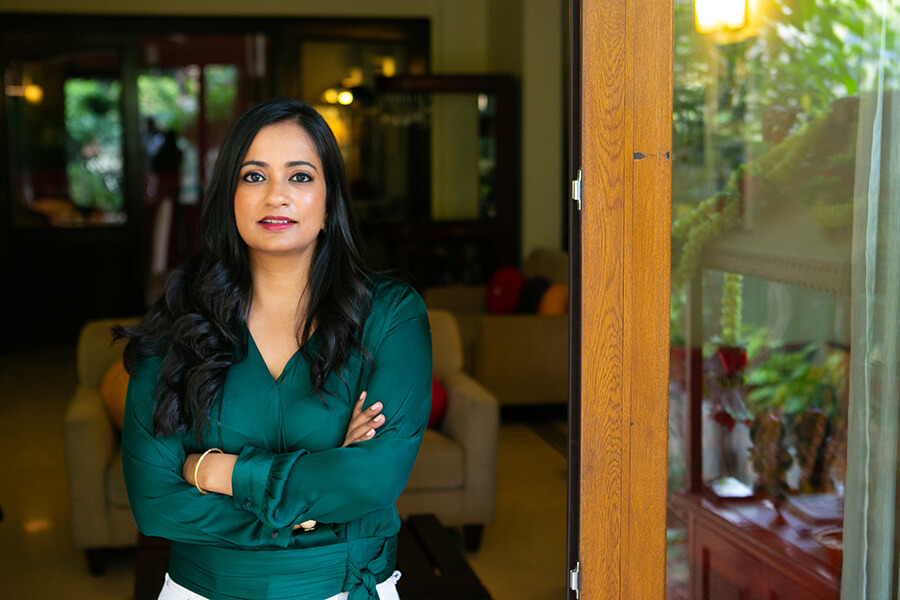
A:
(162, 502)
(342, 484)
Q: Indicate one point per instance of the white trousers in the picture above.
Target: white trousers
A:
(387, 590)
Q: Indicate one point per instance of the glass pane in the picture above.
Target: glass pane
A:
(786, 203)
(190, 90)
(65, 140)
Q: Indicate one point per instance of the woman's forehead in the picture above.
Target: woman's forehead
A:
(284, 140)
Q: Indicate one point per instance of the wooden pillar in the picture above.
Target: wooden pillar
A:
(626, 102)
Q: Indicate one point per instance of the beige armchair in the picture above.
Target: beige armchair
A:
(455, 475)
(101, 517)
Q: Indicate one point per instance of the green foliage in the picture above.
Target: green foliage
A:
(171, 96)
(158, 97)
(791, 381)
(94, 149)
(221, 93)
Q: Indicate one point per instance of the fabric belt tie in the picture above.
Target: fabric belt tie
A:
(220, 573)
(361, 582)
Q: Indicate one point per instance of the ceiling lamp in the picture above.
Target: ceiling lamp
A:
(713, 16)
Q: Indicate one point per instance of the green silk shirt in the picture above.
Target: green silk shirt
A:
(290, 467)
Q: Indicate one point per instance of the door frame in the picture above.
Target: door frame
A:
(622, 110)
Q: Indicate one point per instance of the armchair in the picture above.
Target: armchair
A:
(455, 475)
(101, 517)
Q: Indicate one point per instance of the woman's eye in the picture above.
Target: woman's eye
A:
(253, 177)
(301, 178)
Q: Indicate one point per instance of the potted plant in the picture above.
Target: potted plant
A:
(798, 403)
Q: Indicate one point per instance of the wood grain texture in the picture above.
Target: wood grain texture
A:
(647, 309)
(627, 108)
(602, 286)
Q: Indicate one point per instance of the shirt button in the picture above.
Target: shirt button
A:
(249, 503)
(274, 534)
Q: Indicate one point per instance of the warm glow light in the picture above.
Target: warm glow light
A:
(331, 95)
(720, 15)
(388, 66)
(32, 93)
(37, 525)
(345, 98)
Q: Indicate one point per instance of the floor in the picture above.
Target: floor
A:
(522, 555)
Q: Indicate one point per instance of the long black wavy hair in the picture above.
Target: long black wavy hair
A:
(197, 325)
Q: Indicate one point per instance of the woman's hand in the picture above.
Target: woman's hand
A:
(363, 423)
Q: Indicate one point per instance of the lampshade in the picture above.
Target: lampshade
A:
(720, 15)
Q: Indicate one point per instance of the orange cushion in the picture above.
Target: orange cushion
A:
(555, 300)
(112, 391)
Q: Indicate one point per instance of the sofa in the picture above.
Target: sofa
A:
(454, 476)
(523, 359)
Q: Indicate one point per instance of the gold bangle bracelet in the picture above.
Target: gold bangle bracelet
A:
(197, 469)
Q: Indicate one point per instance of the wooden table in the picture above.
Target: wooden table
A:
(429, 556)
(433, 565)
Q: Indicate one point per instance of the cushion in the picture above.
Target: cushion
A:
(555, 300)
(531, 295)
(438, 403)
(113, 388)
(439, 465)
(503, 289)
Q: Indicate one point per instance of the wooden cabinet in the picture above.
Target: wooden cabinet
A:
(748, 550)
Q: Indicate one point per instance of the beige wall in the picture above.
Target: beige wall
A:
(521, 37)
(543, 170)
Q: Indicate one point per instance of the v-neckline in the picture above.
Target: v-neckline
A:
(277, 380)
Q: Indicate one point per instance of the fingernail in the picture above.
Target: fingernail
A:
(376, 406)
(370, 433)
(379, 419)
(362, 396)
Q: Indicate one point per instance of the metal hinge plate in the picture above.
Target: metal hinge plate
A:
(575, 574)
(576, 191)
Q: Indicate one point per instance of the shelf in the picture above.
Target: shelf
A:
(785, 244)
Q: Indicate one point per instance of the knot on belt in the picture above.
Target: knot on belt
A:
(362, 581)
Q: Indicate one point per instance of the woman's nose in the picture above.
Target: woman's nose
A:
(278, 194)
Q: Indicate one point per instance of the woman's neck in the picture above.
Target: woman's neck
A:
(279, 286)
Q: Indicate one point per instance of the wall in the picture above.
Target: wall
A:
(521, 37)
(543, 164)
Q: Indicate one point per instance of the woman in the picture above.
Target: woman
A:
(279, 390)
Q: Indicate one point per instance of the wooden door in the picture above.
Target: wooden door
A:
(624, 91)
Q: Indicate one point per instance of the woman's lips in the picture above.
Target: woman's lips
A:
(276, 223)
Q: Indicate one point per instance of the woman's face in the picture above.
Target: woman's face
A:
(279, 203)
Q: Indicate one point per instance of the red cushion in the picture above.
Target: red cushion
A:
(503, 291)
(438, 403)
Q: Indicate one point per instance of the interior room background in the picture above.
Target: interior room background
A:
(88, 162)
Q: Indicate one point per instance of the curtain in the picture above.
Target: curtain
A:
(870, 507)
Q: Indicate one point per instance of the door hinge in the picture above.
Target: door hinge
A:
(575, 576)
(576, 191)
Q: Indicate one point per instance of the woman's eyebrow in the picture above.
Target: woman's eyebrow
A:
(256, 163)
(300, 163)
(291, 164)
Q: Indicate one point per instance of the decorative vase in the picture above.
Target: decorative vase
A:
(733, 359)
(769, 456)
